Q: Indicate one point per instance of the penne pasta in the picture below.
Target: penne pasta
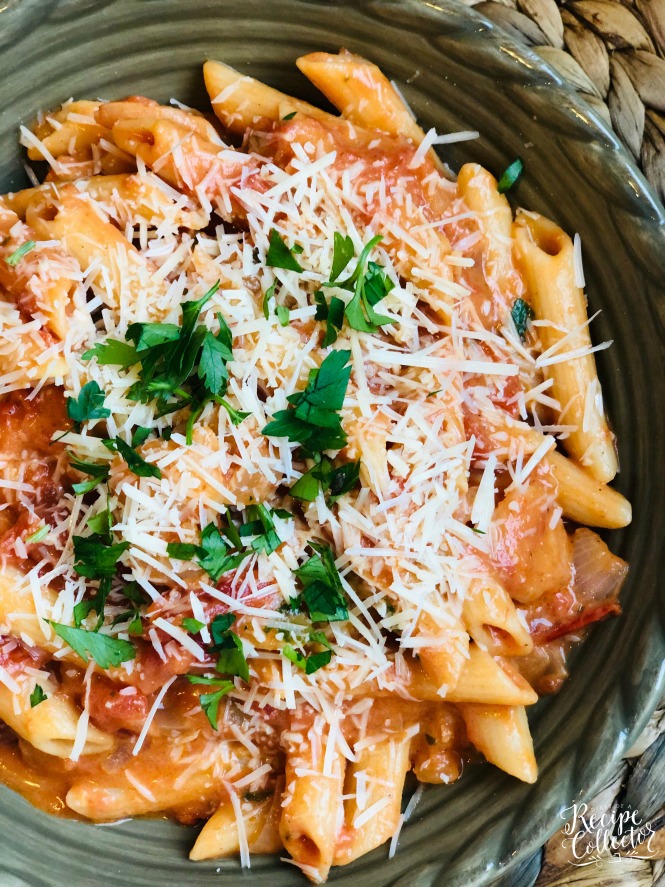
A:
(545, 254)
(283, 515)
(362, 94)
(501, 733)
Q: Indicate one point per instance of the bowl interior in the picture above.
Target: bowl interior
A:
(458, 72)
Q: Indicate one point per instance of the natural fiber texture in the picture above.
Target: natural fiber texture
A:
(612, 52)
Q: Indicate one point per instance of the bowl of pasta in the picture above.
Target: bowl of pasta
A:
(310, 501)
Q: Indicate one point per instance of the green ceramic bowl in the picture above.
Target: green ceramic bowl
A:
(458, 72)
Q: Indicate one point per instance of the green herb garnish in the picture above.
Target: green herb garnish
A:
(135, 462)
(106, 651)
(313, 418)
(97, 472)
(193, 626)
(280, 256)
(37, 696)
(369, 284)
(87, 406)
(510, 175)
(322, 591)
(210, 701)
(522, 314)
(22, 251)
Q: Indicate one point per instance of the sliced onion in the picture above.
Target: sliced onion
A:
(599, 574)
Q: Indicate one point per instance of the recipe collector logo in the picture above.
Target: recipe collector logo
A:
(591, 838)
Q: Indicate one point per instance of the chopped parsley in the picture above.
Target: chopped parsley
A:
(37, 696)
(522, 314)
(193, 626)
(98, 473)
(326, 476)
(228, 645)
(216, 556)
(20, 253)
(210, 701)
(322, 592)
(135, 462)
(313, 418)
(87, 406)
(333, 315)
(181, 366)
(112, 352)
(280, 256)
(282, 313)
(213, 553)
(105, 650)
(290, 116)
(38, 535)
(510, 176)
(311, 661)
(369, 283)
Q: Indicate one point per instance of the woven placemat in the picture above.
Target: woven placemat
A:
(613, 53)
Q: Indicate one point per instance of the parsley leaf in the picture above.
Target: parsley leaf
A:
(332, 313)
(216, 560)
(184, 551)
(229, 646)
(343, 252)
(313, 419)
(343, 479)
(193, 626)
(19, 253)
(140, 435)
(510, 176)
(136, 463)
(94, 559)
(105, 650)
(269, 294)
(210, 701)
(213, 553)
(97, 473)
(521, 313)
(212, 365)
(369, 284)
(260, 525)
(149, 335)
(87, 406)
(289, 116)
(112, 352)
(38, 535)
(282, 313)
(280, 256)
(37, 696)
(322, 587)
(325, 475)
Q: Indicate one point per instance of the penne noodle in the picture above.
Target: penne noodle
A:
(241, 102)
(501, 733)
(374, 781)
(362, 94)
(545, 255)
(313, 798)
(586, 500)
(491, 619)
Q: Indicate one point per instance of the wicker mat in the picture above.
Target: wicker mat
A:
(613, 53)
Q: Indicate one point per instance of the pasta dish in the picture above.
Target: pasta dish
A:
(301, 438)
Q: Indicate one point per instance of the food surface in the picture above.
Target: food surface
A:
(300, 440)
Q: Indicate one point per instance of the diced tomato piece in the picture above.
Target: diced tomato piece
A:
(543, 635)
(112, 710)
